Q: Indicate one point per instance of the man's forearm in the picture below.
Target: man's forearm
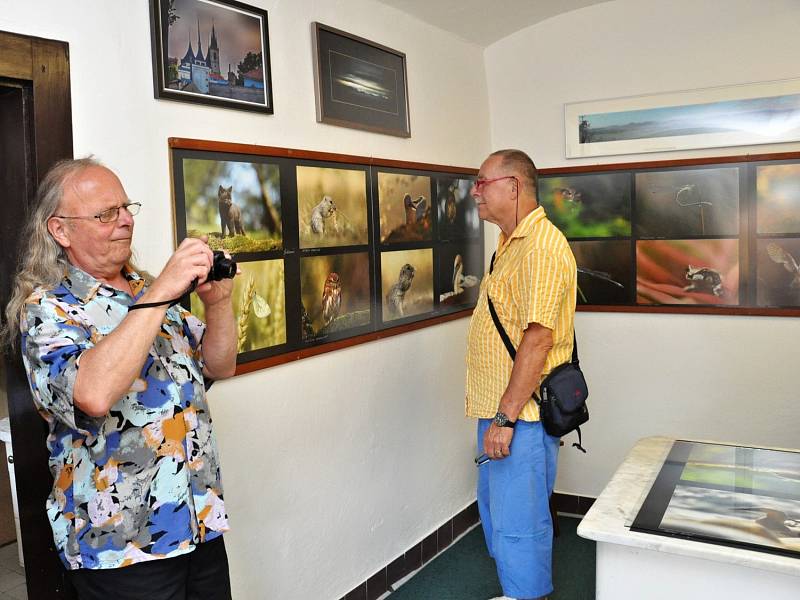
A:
(108, 370)
(219, 341)
(528, 365)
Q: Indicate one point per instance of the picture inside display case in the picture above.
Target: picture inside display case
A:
(459, 264)
(458, 213)
(330, 249)
(235, 203)
(686, 236)
(334, 293)
(731, 495)
(404, 202)
(406, 283)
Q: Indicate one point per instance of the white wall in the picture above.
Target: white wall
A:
(335, 465)
(714, 377)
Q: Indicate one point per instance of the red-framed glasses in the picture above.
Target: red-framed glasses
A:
(479, 184)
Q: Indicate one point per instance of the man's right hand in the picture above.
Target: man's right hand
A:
(192, 260)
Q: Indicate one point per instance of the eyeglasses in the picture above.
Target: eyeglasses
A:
(479, 184)
(110, 215)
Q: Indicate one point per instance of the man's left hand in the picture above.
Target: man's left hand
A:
(214, 292)
(497, 442)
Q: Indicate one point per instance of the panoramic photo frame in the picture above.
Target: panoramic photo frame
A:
(734, 115)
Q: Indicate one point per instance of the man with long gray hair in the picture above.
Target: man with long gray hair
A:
(136, 505)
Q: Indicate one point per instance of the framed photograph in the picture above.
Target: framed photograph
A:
(406, 283)
(359, 83)
(605, 272)
(213, 52)
(778, 198)
(335, 294)
(458, 213)
(404, 207)
(732, 495)
(259, 305)
(687, 272)
(332, 207)
(733, 115)
(687, 202)
(584, 206)
(235, 203)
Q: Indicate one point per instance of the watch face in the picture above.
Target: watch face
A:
(500, 419)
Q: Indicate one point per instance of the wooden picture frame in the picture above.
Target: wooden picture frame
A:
(359, 83)
(326, 281)
(211, 52)
(734, 115)
(705, 236)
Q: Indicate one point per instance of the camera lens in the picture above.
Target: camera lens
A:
(222, 268)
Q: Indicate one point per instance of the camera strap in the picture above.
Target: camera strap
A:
(171, 303)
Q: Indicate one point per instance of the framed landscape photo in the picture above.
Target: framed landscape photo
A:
(734, 115)
(359, 83)
(212, 52)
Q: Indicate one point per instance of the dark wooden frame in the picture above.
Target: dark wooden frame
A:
(157, 36)
(40, 68)
(294, 351)
(402, 125)
(748, 238)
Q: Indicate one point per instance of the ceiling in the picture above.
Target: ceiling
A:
(483, 22)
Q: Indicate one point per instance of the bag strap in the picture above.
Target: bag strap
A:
(504, 336)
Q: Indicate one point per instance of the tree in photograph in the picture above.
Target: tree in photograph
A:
(251, 62)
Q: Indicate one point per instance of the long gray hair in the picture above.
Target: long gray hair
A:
(43, 263)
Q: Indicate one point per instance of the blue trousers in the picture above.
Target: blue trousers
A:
(513, 500)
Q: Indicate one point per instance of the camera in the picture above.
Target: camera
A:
(222, 267)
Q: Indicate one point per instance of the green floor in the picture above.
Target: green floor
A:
(465, 571)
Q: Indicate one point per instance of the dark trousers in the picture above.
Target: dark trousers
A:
(199, 575)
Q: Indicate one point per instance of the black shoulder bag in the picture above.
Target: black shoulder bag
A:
(563, 393)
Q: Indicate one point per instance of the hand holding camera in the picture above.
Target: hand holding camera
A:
(194, 265)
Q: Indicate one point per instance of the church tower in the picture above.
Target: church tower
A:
(199, 59)
(213, 52)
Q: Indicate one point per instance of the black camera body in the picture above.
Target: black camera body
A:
(222, 267)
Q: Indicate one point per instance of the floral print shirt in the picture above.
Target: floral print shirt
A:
(143, 481)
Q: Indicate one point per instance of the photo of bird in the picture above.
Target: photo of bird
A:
(415, 209)
(331, 299)
(324, 210)
(782, 257)
(461, 281)
(395, 299)
(450, 204)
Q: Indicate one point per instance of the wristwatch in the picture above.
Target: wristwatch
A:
(501, 420)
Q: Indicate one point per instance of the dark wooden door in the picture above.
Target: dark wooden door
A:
(35, 132)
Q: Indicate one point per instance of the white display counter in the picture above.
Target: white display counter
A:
(5, 437)
(636, 566)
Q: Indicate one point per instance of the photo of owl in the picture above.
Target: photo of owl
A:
(334, 294)
(405, 207)
(332, 207)
(331, 299)
(458, 214)
(406, 283)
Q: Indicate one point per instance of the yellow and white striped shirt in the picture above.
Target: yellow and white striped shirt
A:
(534, 281)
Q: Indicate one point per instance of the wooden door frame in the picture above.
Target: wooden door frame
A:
(42, 66)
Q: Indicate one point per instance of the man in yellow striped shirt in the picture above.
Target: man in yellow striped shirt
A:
(532, 286)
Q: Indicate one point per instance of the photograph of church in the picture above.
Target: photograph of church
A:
(213, 50)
